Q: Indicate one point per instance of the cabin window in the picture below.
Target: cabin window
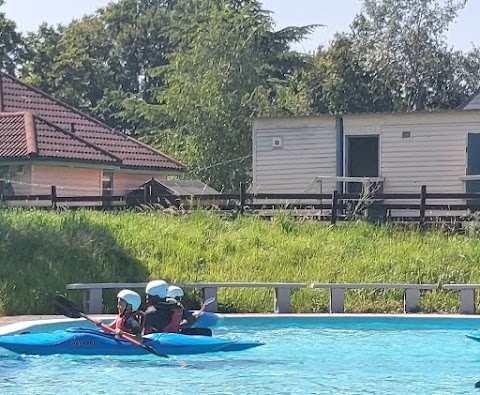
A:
(407, 134)
(20, 169)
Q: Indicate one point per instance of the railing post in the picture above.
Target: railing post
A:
(93, 301)
(208, 292)
(411, 300)
(333, 218)
(423, 202)
(281, 300)
(467, 301)
(337, 300)
(53, 196)
(242, 197)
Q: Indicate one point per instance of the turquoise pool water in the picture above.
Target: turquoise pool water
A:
(302, 355)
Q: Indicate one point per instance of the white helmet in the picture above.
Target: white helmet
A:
(175, 292)
(157, 288)
(131, 298)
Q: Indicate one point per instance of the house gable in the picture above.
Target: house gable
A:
(17, 96)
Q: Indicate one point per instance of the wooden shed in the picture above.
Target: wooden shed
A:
(400, 151)
(168, 192)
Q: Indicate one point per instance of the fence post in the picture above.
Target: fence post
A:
(242, 198)
(53, 196)
(333, 219)
(423, 202)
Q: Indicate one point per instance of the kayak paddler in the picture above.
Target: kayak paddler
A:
(163, 314)
(129, 319)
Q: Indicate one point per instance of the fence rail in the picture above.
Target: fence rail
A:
(93, 299)
(420, 207)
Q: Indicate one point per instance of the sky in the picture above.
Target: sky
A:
(336, 15)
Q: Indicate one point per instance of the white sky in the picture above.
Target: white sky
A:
(336, 15)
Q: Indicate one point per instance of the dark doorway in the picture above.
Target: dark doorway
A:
(362, 159)
(473, 166)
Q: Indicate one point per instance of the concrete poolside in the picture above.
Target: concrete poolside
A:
(7, 320)
(20, 319)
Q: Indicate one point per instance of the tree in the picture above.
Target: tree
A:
(404, 40)
(337, 82)
(11, 45)
(101, 60)
(42, 50)
(225, 50)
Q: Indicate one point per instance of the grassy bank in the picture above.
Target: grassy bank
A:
(41, 252)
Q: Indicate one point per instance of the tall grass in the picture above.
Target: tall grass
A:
(42, 251)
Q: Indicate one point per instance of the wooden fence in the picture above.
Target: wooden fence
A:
(421, 207)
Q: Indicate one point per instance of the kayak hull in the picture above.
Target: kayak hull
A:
(475, 337)
(91, 342)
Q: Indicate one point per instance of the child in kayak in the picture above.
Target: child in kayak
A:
(129, 319)
(188, 318)
(163, 314)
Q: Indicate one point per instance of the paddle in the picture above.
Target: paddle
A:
(67, 308)
(199, 331)
(205, 304)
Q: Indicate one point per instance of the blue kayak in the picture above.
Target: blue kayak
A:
(80, 341)
(207, 320)
(474, 336)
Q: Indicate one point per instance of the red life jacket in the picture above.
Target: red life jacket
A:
(121, 322)
(174, 324)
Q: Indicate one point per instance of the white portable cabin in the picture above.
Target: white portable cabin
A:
(401, 151)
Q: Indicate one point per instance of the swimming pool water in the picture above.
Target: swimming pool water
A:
(302, 355)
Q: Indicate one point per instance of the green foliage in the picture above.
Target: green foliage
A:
(96, 63)
(224, 53)
(337, 82)
(44, 251)
(404, 40)
(12, 48)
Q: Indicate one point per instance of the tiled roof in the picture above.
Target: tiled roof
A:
(24, 135)
(17, 96)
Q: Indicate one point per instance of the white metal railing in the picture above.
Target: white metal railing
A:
(93, 300)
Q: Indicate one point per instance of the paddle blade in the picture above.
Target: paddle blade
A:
(196, 331)
(66, 307)
(205, 304)
(209, 301)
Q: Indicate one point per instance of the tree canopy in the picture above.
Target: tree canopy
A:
(11, 44)
(187, 75)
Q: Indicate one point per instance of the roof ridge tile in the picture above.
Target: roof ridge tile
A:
(30, 133)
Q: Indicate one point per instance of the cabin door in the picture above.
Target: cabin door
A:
(362, 159)
(473, 162)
